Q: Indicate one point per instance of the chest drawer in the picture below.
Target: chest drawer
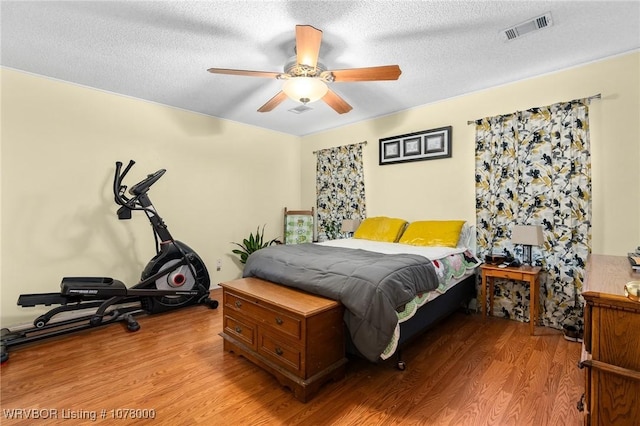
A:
(241, 329)
(274, 319)
(280, 352)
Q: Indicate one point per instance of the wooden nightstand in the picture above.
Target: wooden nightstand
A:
(530, 274)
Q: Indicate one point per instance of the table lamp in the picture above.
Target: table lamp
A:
(349, 226)
(527, 235)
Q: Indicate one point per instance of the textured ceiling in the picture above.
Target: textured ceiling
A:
(160, 50)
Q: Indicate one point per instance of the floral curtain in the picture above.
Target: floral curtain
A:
(340, 188)
(534, 168)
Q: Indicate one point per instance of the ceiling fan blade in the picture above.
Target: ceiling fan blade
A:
(273, 102)
(332, 99)
(308, 41)
(385, 72)
(265, 74)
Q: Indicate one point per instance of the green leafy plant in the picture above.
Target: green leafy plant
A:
(251, 244)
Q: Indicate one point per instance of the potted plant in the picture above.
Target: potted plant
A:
(251, 244)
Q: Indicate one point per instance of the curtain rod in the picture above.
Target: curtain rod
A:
(359, 143)
(590, 98)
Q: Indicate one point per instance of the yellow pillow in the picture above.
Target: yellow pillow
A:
(380, 228)
(443, 233)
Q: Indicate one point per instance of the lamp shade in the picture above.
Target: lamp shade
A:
(305, 89)
(350, 225)
(530, 235)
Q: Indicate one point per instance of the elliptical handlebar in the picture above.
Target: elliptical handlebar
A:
(119, 190)
(144, 185)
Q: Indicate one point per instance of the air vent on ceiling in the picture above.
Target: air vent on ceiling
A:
(526, 27)
(300, 109)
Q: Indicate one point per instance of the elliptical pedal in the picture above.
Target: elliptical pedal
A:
(47, 299)
(92, 287)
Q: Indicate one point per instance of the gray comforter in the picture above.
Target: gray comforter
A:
(371, 286)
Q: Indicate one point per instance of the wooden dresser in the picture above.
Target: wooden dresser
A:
(296, 336)
(611, 349)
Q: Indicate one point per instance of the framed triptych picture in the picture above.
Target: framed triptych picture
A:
(418, 146)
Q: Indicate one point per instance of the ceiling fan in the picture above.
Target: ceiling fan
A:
(306, 77)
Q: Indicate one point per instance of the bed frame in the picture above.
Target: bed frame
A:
(427, 316)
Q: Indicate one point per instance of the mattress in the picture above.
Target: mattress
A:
(452, 265)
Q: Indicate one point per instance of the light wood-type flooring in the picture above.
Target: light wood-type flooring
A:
(466, 371)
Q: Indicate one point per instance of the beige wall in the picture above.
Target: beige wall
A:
(444, 188)
(59, 146)
(60, 141)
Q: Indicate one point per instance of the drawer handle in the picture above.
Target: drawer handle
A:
(580, 404)
(238, 304)
(279, 321)
(279, 351)
(239, 330)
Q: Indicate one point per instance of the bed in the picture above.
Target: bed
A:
(394, 279)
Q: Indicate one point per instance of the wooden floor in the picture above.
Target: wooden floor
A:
(464, 372)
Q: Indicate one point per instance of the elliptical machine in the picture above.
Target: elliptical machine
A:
(174, 278)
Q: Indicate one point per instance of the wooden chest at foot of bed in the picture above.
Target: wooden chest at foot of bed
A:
(296, 336)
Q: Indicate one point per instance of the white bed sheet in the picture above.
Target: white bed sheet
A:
(394, 248)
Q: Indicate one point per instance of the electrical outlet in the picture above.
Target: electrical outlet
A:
(218, 264)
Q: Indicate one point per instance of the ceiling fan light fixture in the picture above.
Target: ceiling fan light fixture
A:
(305, 89)
(306, 78)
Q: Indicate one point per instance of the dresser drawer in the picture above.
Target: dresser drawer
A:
(512, 275)
(242, 330)
(281, 353)
(271, 318)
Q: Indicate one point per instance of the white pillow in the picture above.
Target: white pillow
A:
(467, 237)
